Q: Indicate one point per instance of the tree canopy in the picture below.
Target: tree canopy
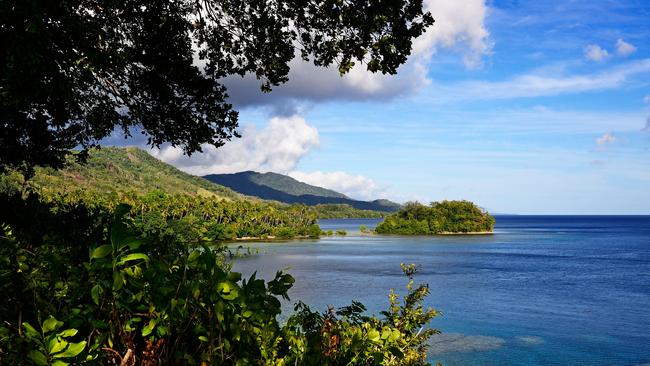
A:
(74, 71)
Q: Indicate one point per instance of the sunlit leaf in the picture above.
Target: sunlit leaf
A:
(72, 351)
(133, 257)
(56, 345)
(51, 324)
(101, 251)
(31, 331)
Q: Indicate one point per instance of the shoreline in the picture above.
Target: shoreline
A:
(270, 238)
(467, 233)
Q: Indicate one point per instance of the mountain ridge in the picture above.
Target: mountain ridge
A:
(283, 188)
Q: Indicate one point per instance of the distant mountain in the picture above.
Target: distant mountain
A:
(278, 187)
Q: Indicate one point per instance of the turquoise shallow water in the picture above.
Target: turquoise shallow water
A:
(543, 290)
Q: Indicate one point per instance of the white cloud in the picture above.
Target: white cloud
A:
(354, 186)
(459, 25)
(594, 52)
(623, 48)
(606, 139)
(278, 148)
(539, 84)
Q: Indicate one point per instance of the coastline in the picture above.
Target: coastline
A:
(467, 233)
(270, 238)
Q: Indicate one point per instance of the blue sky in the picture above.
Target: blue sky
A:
(521, 106)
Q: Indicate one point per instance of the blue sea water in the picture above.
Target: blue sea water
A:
(542, 290)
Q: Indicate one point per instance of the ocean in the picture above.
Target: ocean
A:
(541, 290)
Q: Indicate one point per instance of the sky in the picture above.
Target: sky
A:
(523, 107)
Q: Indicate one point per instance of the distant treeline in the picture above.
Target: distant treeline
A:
(437, 218)
(344, 211)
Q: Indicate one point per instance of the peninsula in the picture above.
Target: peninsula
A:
(439, 218)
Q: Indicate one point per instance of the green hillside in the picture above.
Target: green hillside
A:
(115, 171)
(289, 185)
(278, 187)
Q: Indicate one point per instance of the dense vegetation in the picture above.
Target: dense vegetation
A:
(115, 172)
(89, 283)
(282, 188)
(342, 211)
(120, 174)
(438, 218)
(104, 273)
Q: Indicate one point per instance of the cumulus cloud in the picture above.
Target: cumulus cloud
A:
(278, 147)
(460, 25)
(606, 139)
(623, 48)
(354, 186)
(594, 52)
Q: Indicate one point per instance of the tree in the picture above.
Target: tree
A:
(73, 71)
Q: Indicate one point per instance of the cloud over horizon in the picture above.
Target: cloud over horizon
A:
(353, 186)
(278, 147)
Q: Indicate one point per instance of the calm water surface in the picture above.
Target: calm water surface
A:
(543, 290)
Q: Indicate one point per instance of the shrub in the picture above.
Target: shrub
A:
(131, 294)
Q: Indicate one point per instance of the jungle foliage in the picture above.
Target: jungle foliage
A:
(343, 211)
(437, 218)
(73, 72)
(87, 283)
(115, 173)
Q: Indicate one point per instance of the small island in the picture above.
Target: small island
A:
(445, 217)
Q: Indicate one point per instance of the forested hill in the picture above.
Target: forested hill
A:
(116, 171)
(278, 187)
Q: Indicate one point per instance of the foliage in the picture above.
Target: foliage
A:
(438, 218)
(349, 337)
(344, 211)
(77, 292)
(51, 346)
(341, 232)
(75, 71)
(116, 173)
